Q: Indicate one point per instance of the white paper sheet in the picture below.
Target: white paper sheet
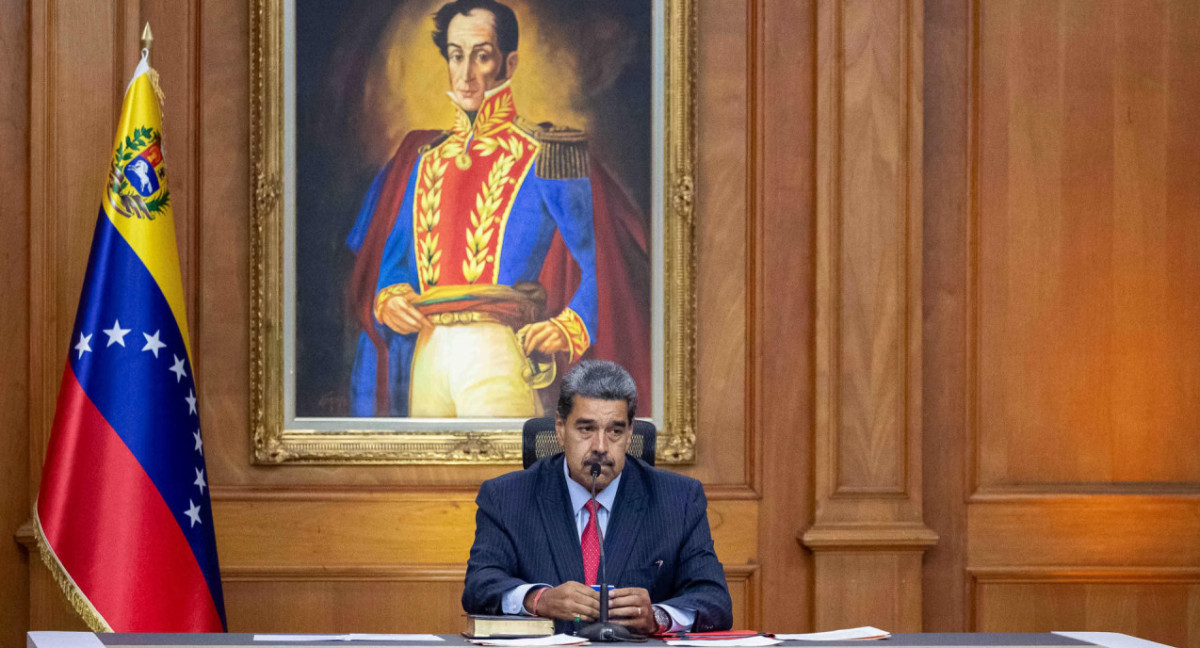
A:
(1112, 639)
(744, 641)
(355, 636)
(849, 634)
(553, 640)
(52, 639)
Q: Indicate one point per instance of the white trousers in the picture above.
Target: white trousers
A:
(471, 370)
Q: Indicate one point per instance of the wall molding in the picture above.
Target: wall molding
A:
(1182, 492)
(408, 493)
(868, 250)
(868, 537)
(400, 573)
(1072, 574)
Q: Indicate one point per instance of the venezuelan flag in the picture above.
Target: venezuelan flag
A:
(123, 514)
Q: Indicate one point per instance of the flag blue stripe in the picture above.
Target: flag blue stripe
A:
(136, 392)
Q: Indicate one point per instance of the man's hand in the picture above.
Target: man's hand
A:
(401, 316)
(630, 607)
(567, 601)
(543, 337)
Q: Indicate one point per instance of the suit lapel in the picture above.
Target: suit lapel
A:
(559, 521)
(626, 520)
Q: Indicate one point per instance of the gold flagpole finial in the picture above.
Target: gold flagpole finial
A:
(147, 37)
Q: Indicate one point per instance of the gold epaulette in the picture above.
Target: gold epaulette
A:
(563, 152)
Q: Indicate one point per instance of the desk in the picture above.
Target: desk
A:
(924, 640)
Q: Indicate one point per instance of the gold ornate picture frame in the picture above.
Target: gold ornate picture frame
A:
(282, 437)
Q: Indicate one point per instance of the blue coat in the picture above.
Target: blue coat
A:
(658, 538)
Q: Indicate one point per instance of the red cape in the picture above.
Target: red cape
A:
(622, 272)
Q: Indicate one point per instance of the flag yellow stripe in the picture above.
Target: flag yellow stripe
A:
(153, 240)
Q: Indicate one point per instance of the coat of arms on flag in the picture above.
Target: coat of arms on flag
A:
(123, 516)
(137, 181)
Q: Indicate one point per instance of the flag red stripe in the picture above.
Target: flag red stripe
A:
(111, 529)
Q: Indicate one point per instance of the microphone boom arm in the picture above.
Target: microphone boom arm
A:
(603, 630)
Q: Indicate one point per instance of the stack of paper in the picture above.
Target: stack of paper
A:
(755, 640)
(851, 634)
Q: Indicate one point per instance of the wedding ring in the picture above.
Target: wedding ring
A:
(576, 618)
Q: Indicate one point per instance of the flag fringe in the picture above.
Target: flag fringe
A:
(162, 99)
(74, 595)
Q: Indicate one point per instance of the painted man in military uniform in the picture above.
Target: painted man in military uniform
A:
(454, 239)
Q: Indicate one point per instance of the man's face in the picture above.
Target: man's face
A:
(595, 431)
(473, 58)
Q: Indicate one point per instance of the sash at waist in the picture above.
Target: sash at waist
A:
(514, 306)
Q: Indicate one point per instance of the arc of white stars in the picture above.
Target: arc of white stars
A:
(191, 401)
(84, 345)
(116, 334)
(193, 512)
(152, 343)
(200, 480)
(177, 368)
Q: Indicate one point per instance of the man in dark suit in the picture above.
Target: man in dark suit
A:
(537, 539)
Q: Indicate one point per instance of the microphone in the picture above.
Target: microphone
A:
(603, 630)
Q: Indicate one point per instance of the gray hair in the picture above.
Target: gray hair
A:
(600, 379)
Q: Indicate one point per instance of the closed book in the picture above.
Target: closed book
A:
(480, 626)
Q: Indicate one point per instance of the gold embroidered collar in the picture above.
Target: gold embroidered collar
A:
(496, 111)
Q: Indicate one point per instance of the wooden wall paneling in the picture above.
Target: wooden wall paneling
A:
(943, 293)
(1079, 234)
(1143, 605)
(14, 319)
(866, 586)
(223, 267)
(783, 203)
(74, 99)
(723, 174)
(72, 91)
(358, 605)
(48, 608)
(744, 593)
(370, 531)
(784, 101)
(1084, 530)
(408, 540)
(400, 599)
(1083, 483)
(868, 525)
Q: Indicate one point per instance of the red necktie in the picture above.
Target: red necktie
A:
(591, 544)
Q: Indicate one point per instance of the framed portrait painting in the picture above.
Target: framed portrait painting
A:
(455, 202)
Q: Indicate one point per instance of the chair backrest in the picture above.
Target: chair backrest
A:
(538, 440)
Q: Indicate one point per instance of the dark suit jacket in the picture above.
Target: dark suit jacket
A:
(658, 538)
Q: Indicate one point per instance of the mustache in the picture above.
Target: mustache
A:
(601, 459)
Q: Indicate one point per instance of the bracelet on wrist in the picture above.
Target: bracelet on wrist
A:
(536, 597)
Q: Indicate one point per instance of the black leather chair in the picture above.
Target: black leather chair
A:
(538, 440)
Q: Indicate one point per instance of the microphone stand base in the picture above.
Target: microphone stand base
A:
(609, 632)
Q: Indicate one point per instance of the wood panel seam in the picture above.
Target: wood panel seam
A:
(751, 471)
(408, 493)
(1084, 574)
